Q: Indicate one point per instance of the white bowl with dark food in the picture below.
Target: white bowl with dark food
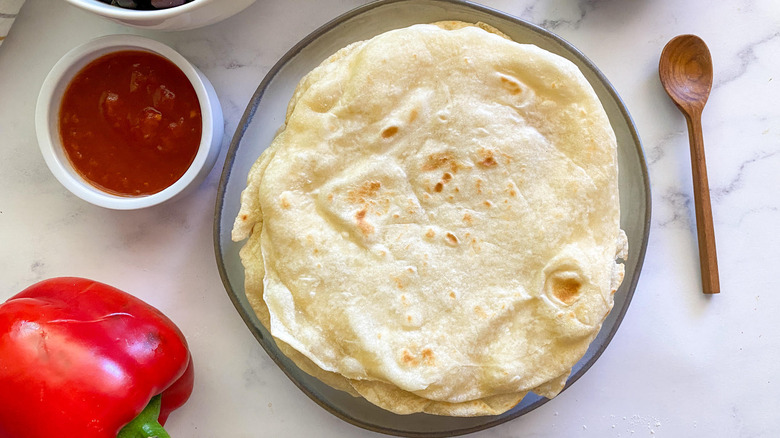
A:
(125, 122)
(164, 14)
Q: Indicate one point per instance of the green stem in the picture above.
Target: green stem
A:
(145, 425)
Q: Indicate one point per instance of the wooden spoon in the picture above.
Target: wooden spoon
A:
(686, 74)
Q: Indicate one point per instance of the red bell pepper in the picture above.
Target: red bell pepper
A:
(82, 359)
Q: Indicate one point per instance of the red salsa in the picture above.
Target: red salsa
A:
(130, 123)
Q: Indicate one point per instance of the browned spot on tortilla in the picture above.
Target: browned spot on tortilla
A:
(488, 204)
(285, 203)
(488, 160)
(452, 295)
(428, 357)
(439, 160)
(479, 186)
(438, 187)
(481, 313)
(364, 226)
(364, 193)
(446, 177)
(407, 357)
(452, 238)
(244, 217)
(400, 285)
(467, 218)
(430, 233)
(413, 115)
(389, 131)
(511, 85)
(475, 245)
(566, 289)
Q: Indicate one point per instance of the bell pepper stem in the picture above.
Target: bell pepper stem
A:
(145, 425)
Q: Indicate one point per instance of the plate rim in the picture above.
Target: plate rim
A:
(248, 115)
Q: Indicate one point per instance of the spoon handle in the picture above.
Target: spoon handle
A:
(701, 194)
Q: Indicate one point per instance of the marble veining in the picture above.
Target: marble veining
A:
(737, 183)
(679, 207)
(747, 57)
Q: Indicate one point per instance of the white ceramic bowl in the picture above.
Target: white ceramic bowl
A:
(197, 13)
(47, 126)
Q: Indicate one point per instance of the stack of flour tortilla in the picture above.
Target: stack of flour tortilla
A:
(436, 228)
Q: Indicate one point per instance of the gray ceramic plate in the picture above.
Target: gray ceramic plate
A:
(265, 115)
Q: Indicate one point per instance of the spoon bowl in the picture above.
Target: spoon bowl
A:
(685, 70)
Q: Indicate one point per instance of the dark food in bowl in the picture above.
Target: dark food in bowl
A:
(146, 4)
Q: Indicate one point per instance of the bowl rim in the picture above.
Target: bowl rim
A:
(47, 111)
(119, 12)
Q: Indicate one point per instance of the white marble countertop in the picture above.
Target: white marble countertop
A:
(681, 364)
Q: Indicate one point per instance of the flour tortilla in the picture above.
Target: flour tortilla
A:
(436, 227)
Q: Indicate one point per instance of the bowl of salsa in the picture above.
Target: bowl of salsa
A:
(125, 122)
